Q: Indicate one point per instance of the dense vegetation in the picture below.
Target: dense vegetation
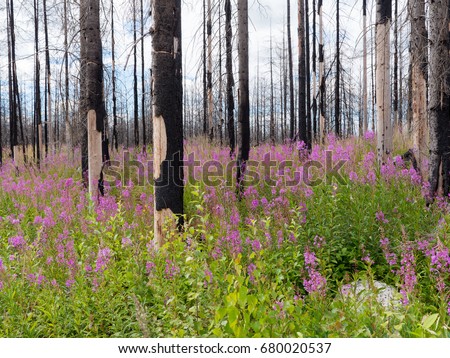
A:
(271, 264)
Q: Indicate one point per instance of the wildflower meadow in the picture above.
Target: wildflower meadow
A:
(283, 260)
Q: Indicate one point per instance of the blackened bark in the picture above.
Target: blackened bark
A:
(439, 98)
(302, 121)
(115, 141)
(144, 124)
(308, 77)
(135, 80)
(91, 76)
(244, 104)
(167, 112)
(337, 88)
(291, 72)
(230, 77)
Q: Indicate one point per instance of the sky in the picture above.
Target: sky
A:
(267, 18)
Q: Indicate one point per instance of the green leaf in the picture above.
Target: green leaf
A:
(428, 321)
(243, 291)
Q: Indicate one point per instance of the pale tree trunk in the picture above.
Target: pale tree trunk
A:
(167, 115)
(419, 59)
(144, 124)
(135, 80)
(383, 88)
(68, 125)
(92, 105)
(395, 101)
(48, 133)
(244, 105)
(272, 106)
(439, 104)
(365, 125)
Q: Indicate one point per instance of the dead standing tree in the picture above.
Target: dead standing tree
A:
(167, 114)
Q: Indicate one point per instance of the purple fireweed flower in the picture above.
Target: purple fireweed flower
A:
(1, 265)
(448, 309)
(209, 277)
(250, 269)
(171, 270)
(70, 282)
(280, 237)
(407, 272)
(315, 282)
(310, 258)
(371, 177)
(353, 176)
(1, 286)
(126, 241)
(234, 218)
(369, 135)
(380, 217)
(149, 267)
(367, 260)
(17, 242)
(103, 258)
(254, 204)
(319, 241)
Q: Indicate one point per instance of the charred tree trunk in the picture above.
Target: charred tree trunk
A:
(230, 77)
(291, 72)
(244, 104)
(321, 75)
(209, 72)
(37, 89)
(167, 114)
(135, 80)
(302, 120)
(439, 105)
(115, 139)
(314, 70)
(337, 88)
(92, 105)
(308, 76)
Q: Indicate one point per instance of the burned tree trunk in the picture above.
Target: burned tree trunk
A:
(439, 105)
(167, 114)
(230, 77)
(92, 105)
(244, 104)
